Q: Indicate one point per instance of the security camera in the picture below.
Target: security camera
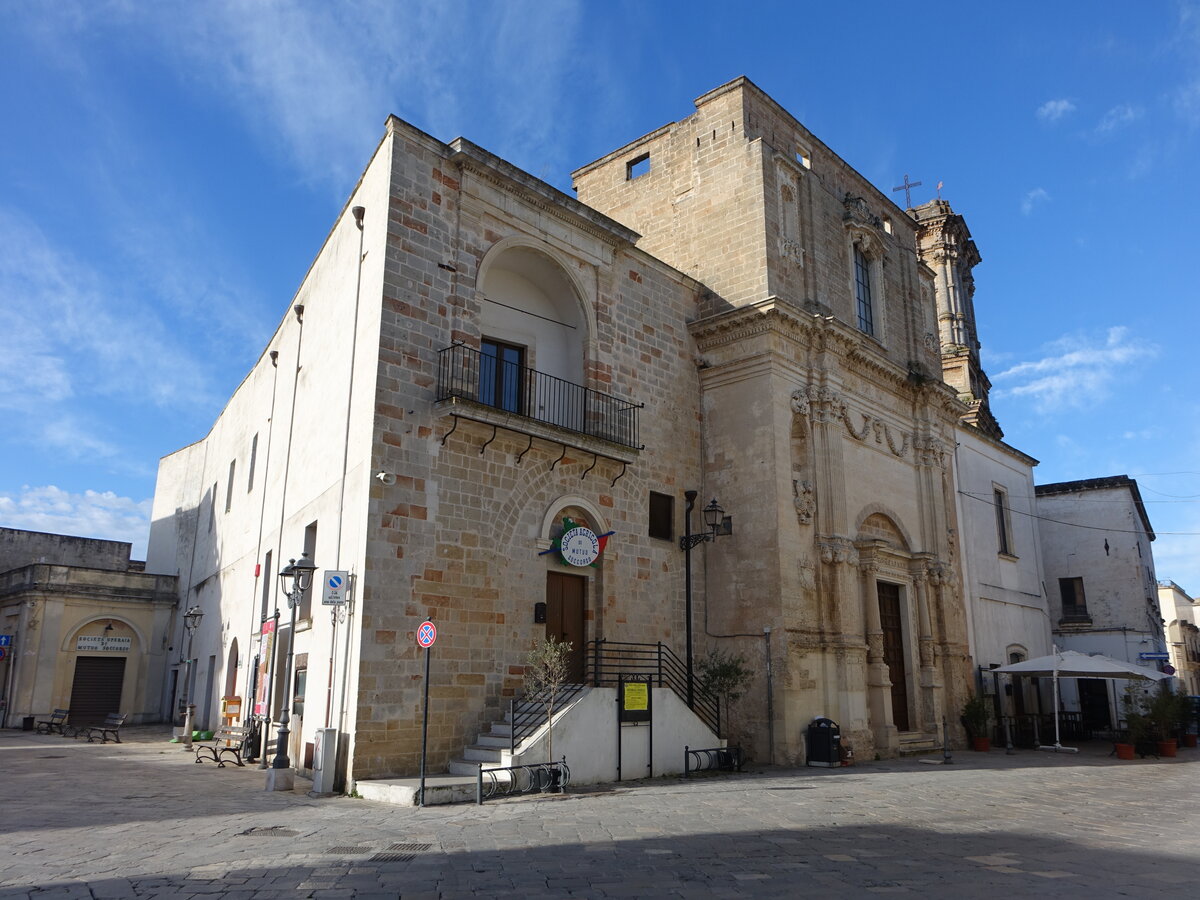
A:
(386, 477)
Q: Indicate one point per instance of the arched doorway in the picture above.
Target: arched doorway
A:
(231, 667)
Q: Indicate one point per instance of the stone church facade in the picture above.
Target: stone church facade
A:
(475, 358)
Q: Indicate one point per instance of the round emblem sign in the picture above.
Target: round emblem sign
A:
(1168, 670)
(580, 547)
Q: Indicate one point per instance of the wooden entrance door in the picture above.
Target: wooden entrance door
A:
(564, 617)
(893, 651)
(96, 688)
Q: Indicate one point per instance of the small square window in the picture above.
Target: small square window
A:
(637, 167)
(662, 516)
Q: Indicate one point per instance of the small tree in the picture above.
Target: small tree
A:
(546, 672)
(725, 676)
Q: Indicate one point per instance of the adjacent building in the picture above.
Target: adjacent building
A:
(82, 628)
(1096, 539)
(1181, 618)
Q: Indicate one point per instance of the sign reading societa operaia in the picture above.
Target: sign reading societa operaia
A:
(99, 643)
(578, 545)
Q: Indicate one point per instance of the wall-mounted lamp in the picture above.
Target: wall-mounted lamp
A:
(386, 477)
(108, 627)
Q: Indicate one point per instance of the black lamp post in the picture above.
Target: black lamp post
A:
(713, 516)
(191, 621)
(294, 579)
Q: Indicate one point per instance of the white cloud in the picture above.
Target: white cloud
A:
(1033, 199)
(1076, 372)
(1053, 110)
(90, 514)
(1118, 117)
(316, 81)
(69, 332)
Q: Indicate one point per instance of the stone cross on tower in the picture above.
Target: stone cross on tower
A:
(907, 188)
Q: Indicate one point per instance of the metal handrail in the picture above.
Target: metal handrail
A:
(610, 661)
(465, 373)
(528, 712)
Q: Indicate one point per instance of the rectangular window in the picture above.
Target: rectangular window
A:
(268, 584)
(212, 507)
(502, 375)
(862, 292)
(637, 167)
(310, 547)
(253, 460)
(1073, 602)
(229, 486)
(1003, 522)
(662, 515)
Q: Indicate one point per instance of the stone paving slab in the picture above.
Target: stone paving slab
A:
(140, 820)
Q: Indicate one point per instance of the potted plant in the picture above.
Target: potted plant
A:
(1164, 718)
(977, 718)
(1187, 715)
(1138, 734)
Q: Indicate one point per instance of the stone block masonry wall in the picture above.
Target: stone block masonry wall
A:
(744, 198)
(457, 537)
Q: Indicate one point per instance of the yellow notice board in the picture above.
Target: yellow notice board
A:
(637, 696)
(635, 701)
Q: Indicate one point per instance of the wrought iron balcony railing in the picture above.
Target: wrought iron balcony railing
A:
(466, 373)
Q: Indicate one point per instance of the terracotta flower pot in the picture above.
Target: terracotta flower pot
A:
(981, 744)
(1166, 748)
(1124, 751)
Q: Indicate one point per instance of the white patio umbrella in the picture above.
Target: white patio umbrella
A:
(1073, 664)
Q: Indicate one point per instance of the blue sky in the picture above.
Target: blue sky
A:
(168, 170)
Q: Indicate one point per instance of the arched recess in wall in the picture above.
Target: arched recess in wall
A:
(877, 522)
(121, 628)
(576, 507)
(231, 669)
(534, 312)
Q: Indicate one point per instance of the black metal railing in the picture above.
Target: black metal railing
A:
(465, 373)
(551, 777)
(528, 712)
(711, 759)
(609, 661)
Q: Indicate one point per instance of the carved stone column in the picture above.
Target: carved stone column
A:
(926, 652)
(879, 682)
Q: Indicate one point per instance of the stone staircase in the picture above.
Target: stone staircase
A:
(491, 749)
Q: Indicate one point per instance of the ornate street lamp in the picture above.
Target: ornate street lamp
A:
(191, 621)
(714, 516)
(294, 579)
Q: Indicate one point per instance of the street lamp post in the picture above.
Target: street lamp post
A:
(295, 578)
(191, 621)
(713, 516)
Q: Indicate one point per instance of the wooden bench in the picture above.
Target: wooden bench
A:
(227, 740)
(110, 726)
(55, 723)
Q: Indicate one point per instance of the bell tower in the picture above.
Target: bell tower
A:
(946, 246)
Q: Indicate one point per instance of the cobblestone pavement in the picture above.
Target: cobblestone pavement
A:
(141, 820)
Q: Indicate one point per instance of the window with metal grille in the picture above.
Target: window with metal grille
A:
(862, 291)
(1073, 601)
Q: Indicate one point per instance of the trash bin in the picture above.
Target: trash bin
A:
(824, 743)
(27, 723)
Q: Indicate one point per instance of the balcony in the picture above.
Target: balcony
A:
(467, 376)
